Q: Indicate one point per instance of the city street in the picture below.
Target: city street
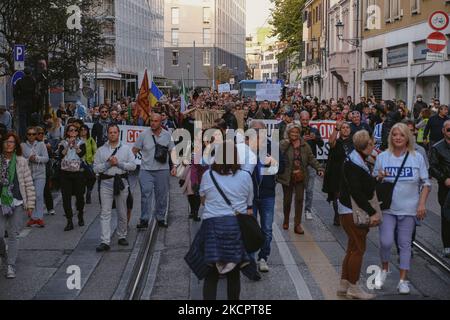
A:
(301, 267)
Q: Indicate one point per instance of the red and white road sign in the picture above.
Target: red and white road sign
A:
(439, 20)
(436, 42)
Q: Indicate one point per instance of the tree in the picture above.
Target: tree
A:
(287, 22)
(223, 75)
(41, 26)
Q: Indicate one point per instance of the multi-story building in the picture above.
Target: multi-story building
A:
(134, 28)
(202, 36)
(342, 70)
(394, 51)
(314, 37)
(262, 56)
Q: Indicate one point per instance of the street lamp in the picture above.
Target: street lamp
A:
(188, 66)
(340, 34)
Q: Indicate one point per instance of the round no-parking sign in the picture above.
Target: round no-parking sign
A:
(439, 20)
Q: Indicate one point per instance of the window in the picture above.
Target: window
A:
(395, 9)
(175, 58)
(175, 15)
(206, 15)
(175, 37)
(415, 6)
(392, 10)
(206, 36)
(207, 57)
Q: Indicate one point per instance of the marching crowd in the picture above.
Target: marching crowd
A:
(376, 146)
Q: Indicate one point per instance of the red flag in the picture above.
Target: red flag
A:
(143, 109)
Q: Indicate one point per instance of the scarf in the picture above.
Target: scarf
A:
(356, 158)
(7, 180)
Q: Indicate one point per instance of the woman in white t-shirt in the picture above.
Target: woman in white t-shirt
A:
(408, 200)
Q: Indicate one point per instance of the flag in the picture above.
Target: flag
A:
(184, 97)
(143, 108)
(155, 95)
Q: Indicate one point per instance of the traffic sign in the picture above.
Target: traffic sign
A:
(436, 41)
(439, 20)
(435, 56)
(16, 77)
(19, 57)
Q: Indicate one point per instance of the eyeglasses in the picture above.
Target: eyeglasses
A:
(73, 130)
(10, 142)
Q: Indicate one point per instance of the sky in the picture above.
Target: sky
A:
(257, 13)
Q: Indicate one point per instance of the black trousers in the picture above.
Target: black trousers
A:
(233, 284)
(72, 183)
(445, 232)
(194, 203)
(48, 198)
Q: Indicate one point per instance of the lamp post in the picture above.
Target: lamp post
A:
(188, 66)
(356, 42)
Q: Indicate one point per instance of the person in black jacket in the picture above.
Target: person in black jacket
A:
(393, 116)
(440, 169)
(100, 129)
(435, 125)
(357, 183)
(229, 117)
(25, 98)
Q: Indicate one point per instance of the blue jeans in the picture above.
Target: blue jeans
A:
(266, 211)
(157, 183)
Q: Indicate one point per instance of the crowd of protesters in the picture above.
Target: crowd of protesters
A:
(373, 140)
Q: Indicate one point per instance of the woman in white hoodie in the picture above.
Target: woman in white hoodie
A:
(36, 153)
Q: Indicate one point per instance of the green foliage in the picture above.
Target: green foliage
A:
(287, 22)
(41, 25)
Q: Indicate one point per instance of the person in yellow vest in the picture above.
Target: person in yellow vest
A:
(425, 116)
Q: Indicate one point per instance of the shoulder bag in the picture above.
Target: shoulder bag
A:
(71, 162)
(386, 189)
(252, 235)
(161, 152)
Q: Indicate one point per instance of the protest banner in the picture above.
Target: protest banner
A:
(268, 91)
(224, 88)
(207, 117)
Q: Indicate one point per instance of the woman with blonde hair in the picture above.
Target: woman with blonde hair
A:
(401, 160)
(298, 156)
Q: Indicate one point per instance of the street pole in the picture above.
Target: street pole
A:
(415, 87)
(193, 77)
(95, 81)
(214, 48)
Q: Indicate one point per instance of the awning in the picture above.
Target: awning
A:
(109, 76)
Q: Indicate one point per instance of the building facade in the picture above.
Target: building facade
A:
(343, 72)
(314, 37)
(202, 36)
(394, 51)
(134, 29)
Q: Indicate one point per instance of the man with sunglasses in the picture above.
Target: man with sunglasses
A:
(440, 169)
(100, 128)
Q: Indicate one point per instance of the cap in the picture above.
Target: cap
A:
(289, 114)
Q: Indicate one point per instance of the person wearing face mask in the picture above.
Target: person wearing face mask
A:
(419, 106)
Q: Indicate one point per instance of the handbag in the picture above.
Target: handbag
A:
(386, 189)
(251, 232)
(161, 152)
(71, 162)
(298, 176)
(360, 217)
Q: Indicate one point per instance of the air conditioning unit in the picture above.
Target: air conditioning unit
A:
(388, 20)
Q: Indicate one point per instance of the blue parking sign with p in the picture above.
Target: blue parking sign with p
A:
(19, 53)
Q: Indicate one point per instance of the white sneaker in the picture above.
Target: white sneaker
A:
(403, 287)
(380, 279)
(52, 212)
(263, 267)
(308, 215)
(10, 272)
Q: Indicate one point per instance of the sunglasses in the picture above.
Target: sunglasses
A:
(73, 130)
(31, 134)
(448, 130)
